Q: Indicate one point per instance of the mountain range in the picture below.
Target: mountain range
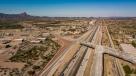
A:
(25, 16)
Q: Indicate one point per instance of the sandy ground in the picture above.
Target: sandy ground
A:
(64, 44)
(108, 67)
(11, 65)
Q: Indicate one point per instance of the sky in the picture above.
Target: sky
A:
(71, 8)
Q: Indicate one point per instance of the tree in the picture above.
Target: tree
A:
(7, 46)
(134, 43)
(31, 72)
(35, 67)
(127, 69)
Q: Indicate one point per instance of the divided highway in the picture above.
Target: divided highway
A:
(59, 67)
(85, 57)
(76, 63)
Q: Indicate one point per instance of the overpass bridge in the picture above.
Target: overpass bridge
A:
(97, 68)
(85, 57)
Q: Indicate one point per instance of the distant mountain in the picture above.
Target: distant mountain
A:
(20, 16)
(25, 16)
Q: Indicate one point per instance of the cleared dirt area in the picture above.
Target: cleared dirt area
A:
(107, 59)
(11, 65)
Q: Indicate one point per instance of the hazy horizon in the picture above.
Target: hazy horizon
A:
(70, 8)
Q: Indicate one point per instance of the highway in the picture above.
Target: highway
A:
(98, 56)
(76, 63)
(71, 67)
(85, 57)
(97, 66)
(64, 59)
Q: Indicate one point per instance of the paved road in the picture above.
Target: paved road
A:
(78, 64)
(59, 65)
(74, 64)
(97, 66)
(75, 61)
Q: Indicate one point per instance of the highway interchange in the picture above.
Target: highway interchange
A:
(85, 57)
